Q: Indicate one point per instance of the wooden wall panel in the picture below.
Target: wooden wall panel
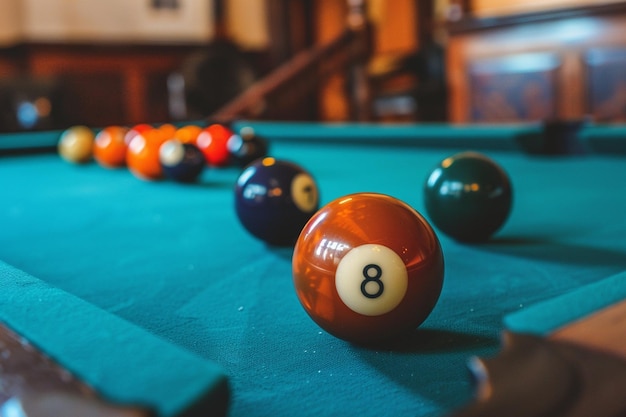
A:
(514, 88)
(486, 8)
(110, 83)
(606, 70)
(570, 37)
(93, 99)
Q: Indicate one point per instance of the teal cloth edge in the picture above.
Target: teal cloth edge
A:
(100, 349)
(477, 136)
(45, 139)
(30, 140)
(615, 131)
(547, 316)
(604, 138)
(503, 137)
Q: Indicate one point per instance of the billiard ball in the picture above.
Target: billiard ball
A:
(110, 147)
(142, 156)
(212, 141)
(76, 144)
(167, 131)
(246, 147)
(136, 130)
(274, 199)
(468, 196)
(368, 268)
(181, 162)
(188, 133)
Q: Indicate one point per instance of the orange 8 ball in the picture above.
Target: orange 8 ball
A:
(368, 268)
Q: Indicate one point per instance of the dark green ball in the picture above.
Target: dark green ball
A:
(468, 196)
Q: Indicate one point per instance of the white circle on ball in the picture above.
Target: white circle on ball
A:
(304, 192)
(371, 279)
(171, 153)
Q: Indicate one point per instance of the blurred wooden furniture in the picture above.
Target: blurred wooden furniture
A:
(566, 63)
(101, 84)
(411, 86)
(286, 92)
(352, 75)
(104, 82)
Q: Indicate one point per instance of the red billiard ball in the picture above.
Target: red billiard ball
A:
(274, 199)
(76, 144)
(110, 147)
(213, 141)
(468, 196)
(181, 162)
(368, 268)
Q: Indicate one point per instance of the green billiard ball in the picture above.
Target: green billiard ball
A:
(468, 196)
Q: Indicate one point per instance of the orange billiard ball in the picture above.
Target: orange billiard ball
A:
(213, 142)
(76, 144)
(167, 131)
(110, 147)
(142, 156)
(368, 268)
(188, 134)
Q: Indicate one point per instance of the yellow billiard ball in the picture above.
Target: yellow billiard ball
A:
(76, 144)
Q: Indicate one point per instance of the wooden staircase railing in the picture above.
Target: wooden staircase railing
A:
(277, 95)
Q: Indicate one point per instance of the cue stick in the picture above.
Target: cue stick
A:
(576, 369)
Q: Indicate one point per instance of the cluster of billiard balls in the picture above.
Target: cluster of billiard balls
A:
(368, 267)
(166, 151)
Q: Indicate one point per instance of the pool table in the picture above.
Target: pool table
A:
(154, 296)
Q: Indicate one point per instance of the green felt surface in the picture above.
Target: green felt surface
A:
(99, 347)
(174, 261)
(550, 315)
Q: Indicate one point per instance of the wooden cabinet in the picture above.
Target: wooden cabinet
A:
(96, 84)
(110, 84)
(567, 64)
